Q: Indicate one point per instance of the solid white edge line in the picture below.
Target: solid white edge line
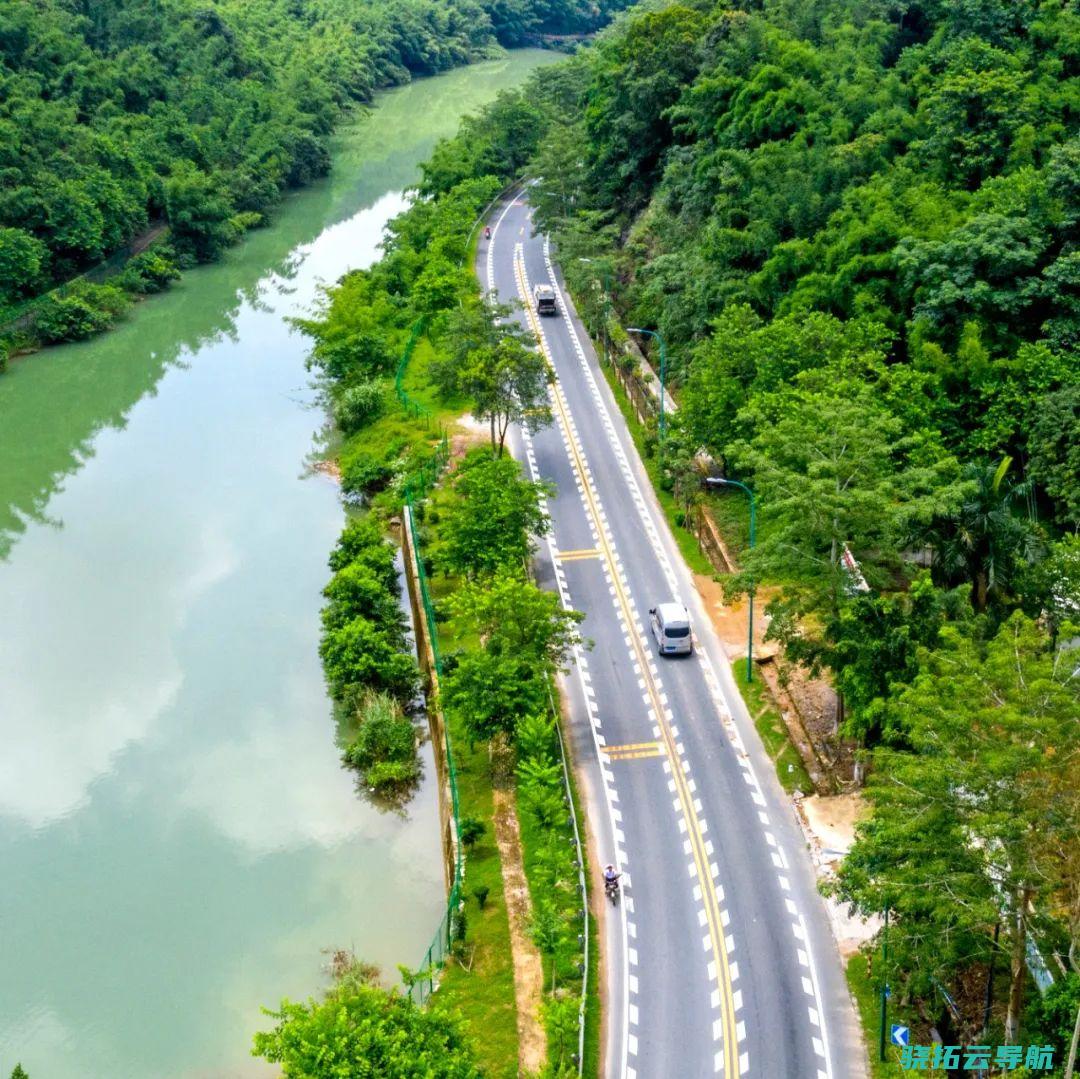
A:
(625, 1038)
(667, 554)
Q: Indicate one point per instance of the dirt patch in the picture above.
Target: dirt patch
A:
(328, 466)
(833, 820)
(828, 823)
(729, 619)
(466, 434)
(528, 967)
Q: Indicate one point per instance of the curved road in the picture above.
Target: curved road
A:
(719, 958)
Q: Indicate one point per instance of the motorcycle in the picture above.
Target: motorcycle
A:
(487, 232)
(611, 890)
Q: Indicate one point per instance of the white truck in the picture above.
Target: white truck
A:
(544, 299)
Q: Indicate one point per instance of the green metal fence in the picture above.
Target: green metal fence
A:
(414, 408)
(422, 987)
(418, 486)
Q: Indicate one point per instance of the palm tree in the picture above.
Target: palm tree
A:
(982, 540)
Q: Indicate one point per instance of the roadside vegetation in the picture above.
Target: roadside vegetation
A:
(503, 641)
(403, 349)
(855, 227)
(358, 1023)
(369, 666)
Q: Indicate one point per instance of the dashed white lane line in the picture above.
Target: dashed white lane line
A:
(630, 982)
(779, 858)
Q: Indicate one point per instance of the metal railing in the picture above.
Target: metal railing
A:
(421, 988)
(416, 487)
(415, 408)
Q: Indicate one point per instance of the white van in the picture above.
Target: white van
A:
(671, 627)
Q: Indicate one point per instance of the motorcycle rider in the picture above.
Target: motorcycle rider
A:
(611, 877)
(487, 232)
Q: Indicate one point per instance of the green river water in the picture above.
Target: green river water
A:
(178, 841)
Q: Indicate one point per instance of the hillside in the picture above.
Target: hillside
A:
(117, 114)
(855, 224)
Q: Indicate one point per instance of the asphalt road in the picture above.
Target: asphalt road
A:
(719, 958)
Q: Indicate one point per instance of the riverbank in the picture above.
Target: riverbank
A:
(511, 957)
(95, 300)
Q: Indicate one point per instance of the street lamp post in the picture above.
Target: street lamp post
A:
(663, 370)
(753, 530)
(884, 986)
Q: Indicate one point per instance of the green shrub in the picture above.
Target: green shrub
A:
(459, 925)
(359, 404)
(470, 830)
(384, 748)
(80, 313)
(149, 271)
(391, 775)
(363, 1029)
(535, 736)
(363, 474)
(481, 893)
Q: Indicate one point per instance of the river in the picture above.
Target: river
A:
(178, 839)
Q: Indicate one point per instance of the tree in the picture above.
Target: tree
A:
(1050, 588)
(475, 323)
(508, 383)
(959, 833)
(22, 262)
(198, 212)
(361, 541)
(357, 591)
(871, 646)
(1054, 443)
(1054, 1014)
(495, 517)
(491, 692)
(525, 636)
(979, 538)
(746, 357)
(19, 1073)
(829, 473)
(361, 1029)
(515, 618)
(359, 654)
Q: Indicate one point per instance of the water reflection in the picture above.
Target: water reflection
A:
(179, 840)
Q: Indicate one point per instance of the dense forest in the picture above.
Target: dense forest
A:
(120, 115)
(856, 224)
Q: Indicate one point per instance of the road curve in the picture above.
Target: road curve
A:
(719, 959)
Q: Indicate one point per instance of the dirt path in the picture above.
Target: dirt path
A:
(528, 969)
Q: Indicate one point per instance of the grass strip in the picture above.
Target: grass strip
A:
(867, 996)
(481, 985)
(773, 731)
(674, 513)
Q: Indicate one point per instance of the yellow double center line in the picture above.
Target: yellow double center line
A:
(686, 800)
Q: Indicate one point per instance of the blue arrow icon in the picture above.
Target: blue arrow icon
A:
(900, 1035)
